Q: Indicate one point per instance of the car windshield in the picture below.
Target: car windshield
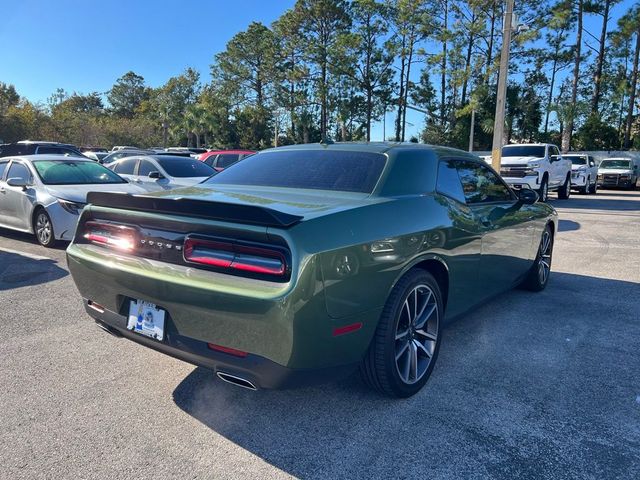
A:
(183, 167)
(73, 172)
(523, 151)
(310, 169)
(615, 164)
(576, 160)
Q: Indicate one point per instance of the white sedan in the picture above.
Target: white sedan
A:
(44, 194)
(161, 172)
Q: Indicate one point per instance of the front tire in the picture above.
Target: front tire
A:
(43, 228)
(538, 275)
(405, 346)
(565, 191)
(587, 187)
(543, 191)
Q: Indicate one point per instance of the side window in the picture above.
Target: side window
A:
(49, 150)
(210, 160)
(125, 167)
(554, 150)
(145, 168)
(3, 167)
(449, 182)
(225, 161)
(19, 170)
(480, 184)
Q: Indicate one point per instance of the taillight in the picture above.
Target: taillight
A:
(119, 237)
(234, 256)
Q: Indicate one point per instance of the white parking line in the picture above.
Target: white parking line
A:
(25, 254)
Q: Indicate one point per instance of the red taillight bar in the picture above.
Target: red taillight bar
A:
(235, 256)
(230, 351)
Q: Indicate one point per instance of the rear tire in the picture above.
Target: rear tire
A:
(565, 191)
(405, 345)
(538, 276)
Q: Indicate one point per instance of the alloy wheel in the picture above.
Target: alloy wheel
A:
(416, 334)
(43, 228)
(544, 265)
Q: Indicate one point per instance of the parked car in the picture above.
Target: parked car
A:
(28, 147)
(118, 154)
(584, 172)
(618, 172)
(93, 149)
(537, 165)
(306, 262)
(44, 194)
(162, 172)
(221, 159)
(192, 151)
(124, 147)
(96, 156)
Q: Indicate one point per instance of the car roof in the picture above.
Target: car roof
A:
(218, 152)
(51, 157)
(378, 147)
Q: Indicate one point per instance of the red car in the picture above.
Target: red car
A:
(221, 159)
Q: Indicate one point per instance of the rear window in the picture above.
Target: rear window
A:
(311, 169)
(226, 160)
(73, 172)
(523, 151)
(183, 167)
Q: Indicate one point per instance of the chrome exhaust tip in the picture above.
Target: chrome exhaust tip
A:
(238, 381)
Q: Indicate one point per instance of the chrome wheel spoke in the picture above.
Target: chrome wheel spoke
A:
(416, 333)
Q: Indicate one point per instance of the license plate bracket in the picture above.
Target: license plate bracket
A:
(146, 318)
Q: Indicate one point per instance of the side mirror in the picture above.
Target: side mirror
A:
(17, 182)
(527, 196)
(554, 158)
(156, 174)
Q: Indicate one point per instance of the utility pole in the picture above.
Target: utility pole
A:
(501, 96)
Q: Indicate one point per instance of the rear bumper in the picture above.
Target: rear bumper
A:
(261, 372)
(284, 325)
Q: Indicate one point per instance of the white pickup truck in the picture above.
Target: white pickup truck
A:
(538, 165)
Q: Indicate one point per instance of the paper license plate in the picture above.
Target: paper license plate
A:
(146, 319)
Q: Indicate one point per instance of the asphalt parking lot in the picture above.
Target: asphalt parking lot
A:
(528, 386)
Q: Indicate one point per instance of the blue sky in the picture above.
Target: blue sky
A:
(85, 46)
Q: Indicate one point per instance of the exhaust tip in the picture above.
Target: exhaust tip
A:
(238, 381)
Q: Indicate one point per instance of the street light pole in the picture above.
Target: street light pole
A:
(501, 96)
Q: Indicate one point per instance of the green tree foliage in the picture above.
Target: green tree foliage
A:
(127, 94)
(332, 68)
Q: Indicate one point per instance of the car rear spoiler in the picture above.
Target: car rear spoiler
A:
(249, 214)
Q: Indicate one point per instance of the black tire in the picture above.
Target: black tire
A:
(565, 190)
(535, 281)
(587, 187)
(43, 228)
(543, 191)
(594, 188)
(379, 368)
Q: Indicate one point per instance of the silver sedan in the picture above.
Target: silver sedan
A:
(44, 194)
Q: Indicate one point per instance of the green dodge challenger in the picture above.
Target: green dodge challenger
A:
(303, 263)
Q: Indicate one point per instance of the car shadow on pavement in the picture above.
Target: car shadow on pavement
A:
(30, 238)
(622, 203)
(567, 225)
(526, 386)
(18, 270)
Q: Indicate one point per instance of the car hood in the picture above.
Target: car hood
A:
(520, 160)
(579, 167)
(78, 193)
(615, 171)
(300, 202)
